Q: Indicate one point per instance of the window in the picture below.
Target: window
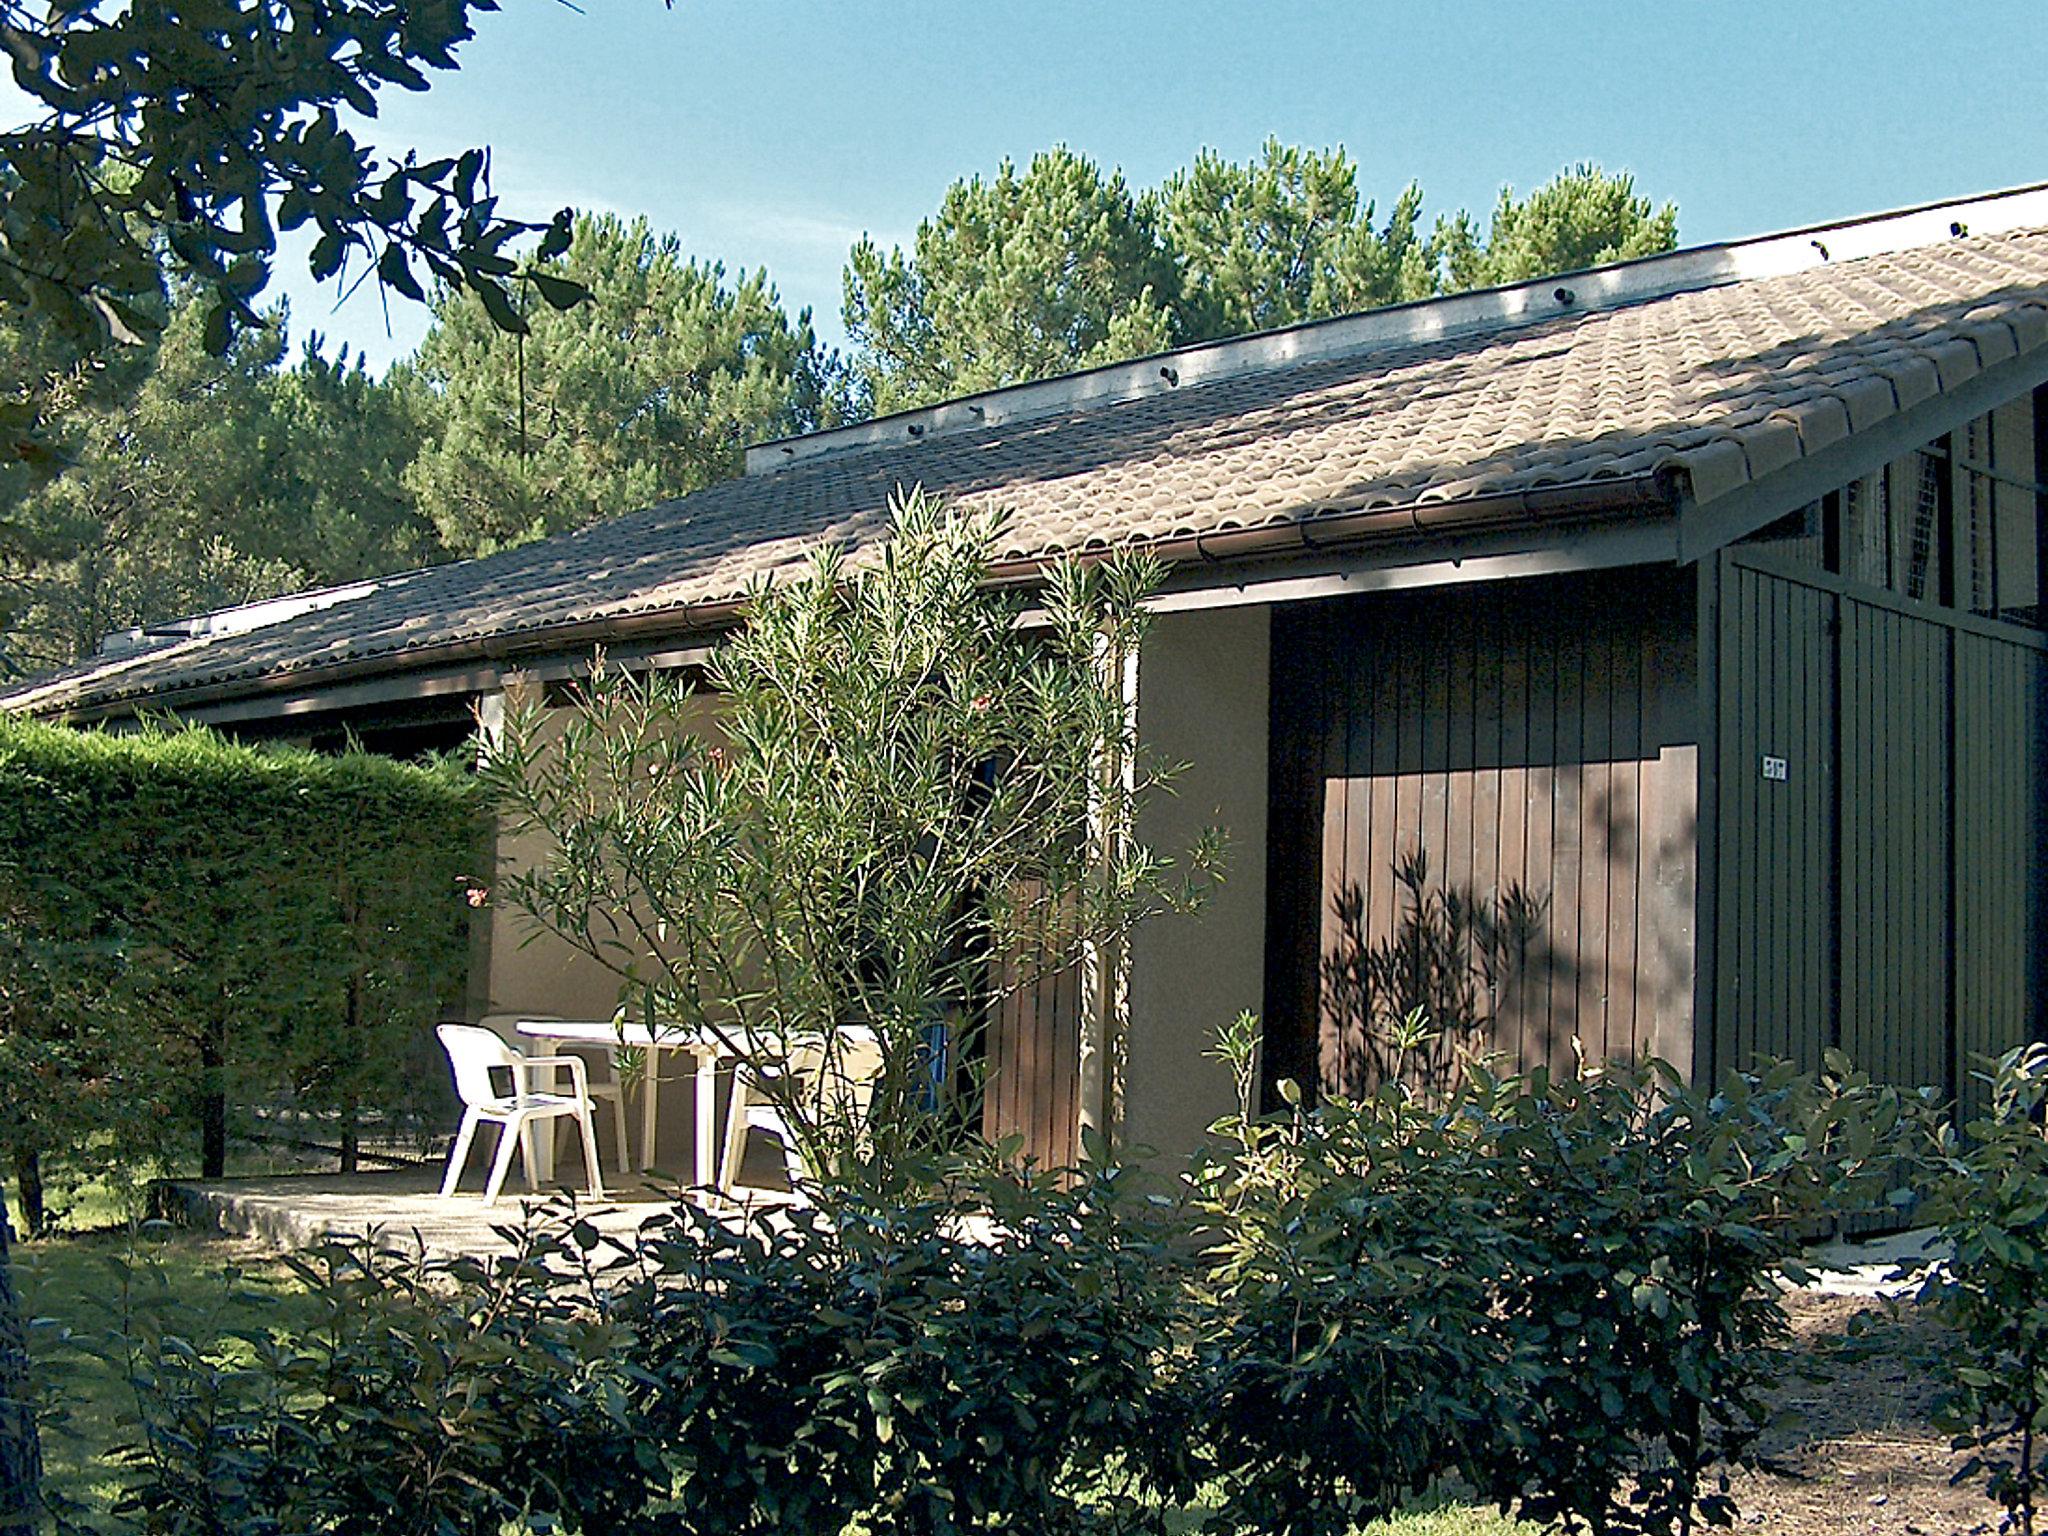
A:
(1866, 537)
(1997, 518)
(1890, 528)
(1968, 503)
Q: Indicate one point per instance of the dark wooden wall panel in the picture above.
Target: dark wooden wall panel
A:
(1889, 899)
(1294, 839)
(1894, 844)
(1773, 981)
(1999, 776)
(1031, 1063)
(1537, 732)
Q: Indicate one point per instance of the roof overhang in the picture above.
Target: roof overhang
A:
(1704, 527)
(1550, 528)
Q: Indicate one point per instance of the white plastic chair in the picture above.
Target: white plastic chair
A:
(601, 1090)
(854, 1065)
(472, 1052)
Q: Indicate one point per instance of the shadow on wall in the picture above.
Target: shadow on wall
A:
(1418, 1003)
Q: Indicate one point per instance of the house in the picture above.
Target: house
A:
(1698, 598)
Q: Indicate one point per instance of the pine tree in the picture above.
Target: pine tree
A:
(650, 387)
(1026, 274)
(1581, 218)
(1283, 239)
(1062, 266)
(204, 481)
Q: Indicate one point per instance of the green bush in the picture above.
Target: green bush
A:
(192, 922)
(882, 1367)
(1990, 1198)
(1648, 1223)
(1558, 1295)
(77, 1075)
(1558, 1292)
(396, 1397)
(1344, 1351)
(905, 1365)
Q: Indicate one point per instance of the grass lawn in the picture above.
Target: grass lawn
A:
(79, 1284)
(1454, 1520)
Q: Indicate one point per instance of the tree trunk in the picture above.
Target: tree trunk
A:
(352, 1040)
(28, 1186)
(213, 1104)
(21, 1451)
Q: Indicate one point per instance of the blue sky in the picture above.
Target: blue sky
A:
(776, 131)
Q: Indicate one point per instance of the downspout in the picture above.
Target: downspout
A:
(1105, 963)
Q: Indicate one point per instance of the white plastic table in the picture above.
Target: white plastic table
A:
(707, 1050)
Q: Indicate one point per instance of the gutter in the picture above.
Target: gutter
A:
(1662, 492)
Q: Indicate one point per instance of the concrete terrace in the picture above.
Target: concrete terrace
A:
(403, 1207)
(293, 1211)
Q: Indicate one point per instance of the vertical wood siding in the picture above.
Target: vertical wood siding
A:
(1535, 732)
(2001, 837)
(1773, 977)
(1886, 896)
(1031, 1064)
(1895, 812)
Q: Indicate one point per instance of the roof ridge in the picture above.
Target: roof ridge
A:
(1588, 291)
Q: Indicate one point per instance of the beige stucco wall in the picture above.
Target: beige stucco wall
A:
(520, 968)
(1202, 686)
(1202, 680)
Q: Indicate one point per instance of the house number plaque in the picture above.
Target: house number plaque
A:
(1775, 769)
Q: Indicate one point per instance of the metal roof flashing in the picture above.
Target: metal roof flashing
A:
(1427, 320)
(239, 620)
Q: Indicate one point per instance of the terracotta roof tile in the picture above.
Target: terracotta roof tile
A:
(1719, 384)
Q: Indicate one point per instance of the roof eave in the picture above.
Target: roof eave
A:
(1543, 511)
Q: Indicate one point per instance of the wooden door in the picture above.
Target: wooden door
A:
(1774, 981)
(1879, 828)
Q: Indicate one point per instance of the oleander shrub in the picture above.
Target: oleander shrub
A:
(887, 796)
(193, 923)
(1990, 1198)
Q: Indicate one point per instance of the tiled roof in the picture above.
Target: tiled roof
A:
(1709, 388)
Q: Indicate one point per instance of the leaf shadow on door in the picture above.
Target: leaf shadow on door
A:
(1419, 1000)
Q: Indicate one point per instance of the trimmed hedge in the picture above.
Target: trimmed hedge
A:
(191, 922)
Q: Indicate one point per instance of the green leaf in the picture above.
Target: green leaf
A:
(555, 241)
(498, 305)
(559, 292)
(396, 271)
(220, 328)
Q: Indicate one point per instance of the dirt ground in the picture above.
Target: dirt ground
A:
(1861, 1456)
